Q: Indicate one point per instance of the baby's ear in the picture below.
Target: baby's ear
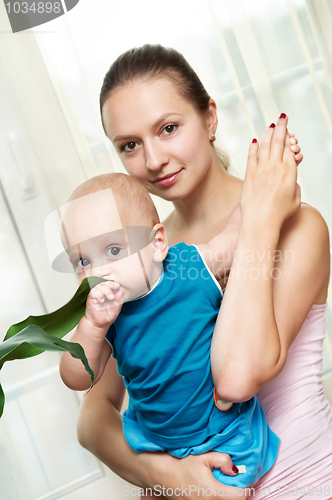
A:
(160, 243)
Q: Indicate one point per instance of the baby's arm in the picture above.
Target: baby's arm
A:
(102, 308)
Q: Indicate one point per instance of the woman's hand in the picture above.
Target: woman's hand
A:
(270, 193)
(290, 142)
(191, 477)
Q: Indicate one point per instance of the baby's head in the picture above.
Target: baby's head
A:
(110, 229)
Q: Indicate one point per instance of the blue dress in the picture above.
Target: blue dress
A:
(162, 346)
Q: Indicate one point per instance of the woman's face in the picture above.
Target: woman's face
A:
(161, 139)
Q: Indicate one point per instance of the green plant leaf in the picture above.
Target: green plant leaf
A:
(37, 334)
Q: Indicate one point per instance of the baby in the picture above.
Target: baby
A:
(155, 313)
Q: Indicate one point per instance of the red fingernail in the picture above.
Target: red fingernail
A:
(254, 141)
(282, 115)
(272, 125)
(235, 469)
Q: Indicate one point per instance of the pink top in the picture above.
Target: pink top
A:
(299, 414)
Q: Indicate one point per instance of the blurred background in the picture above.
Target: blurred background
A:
(257, 58)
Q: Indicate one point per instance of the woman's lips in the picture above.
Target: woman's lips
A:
(168, 180)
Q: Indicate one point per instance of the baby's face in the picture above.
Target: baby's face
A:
(97, 244)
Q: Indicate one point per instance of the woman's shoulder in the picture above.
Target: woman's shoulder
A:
(305, 237)
(306, 223)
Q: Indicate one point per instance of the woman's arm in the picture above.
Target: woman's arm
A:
(100, 426)
(100, 431)
(279, 269)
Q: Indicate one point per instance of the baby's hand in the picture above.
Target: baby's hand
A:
(292, 143)
(104, 304)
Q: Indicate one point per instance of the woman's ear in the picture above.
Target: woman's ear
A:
(160, 243)
(211, 117)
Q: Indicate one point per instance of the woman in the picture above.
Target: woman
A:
(162, 123)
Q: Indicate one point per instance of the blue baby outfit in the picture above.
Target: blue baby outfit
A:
(162, 346)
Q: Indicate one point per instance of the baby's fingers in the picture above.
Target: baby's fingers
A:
(113, 286)
(298, 158)
(295, 148)
(293, 143)
(97, 295)
(114, 292)
(104, 291)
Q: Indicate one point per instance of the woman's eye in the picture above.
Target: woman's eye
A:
(129, 146)
(170, 129)
(113, 251)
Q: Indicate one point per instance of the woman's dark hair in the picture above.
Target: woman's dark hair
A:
(153, 61)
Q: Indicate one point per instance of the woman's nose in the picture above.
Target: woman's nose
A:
(155, 157)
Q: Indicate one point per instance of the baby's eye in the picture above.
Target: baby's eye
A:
(81, 264)
(169, 129)
(129, 146)
(113, 251)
